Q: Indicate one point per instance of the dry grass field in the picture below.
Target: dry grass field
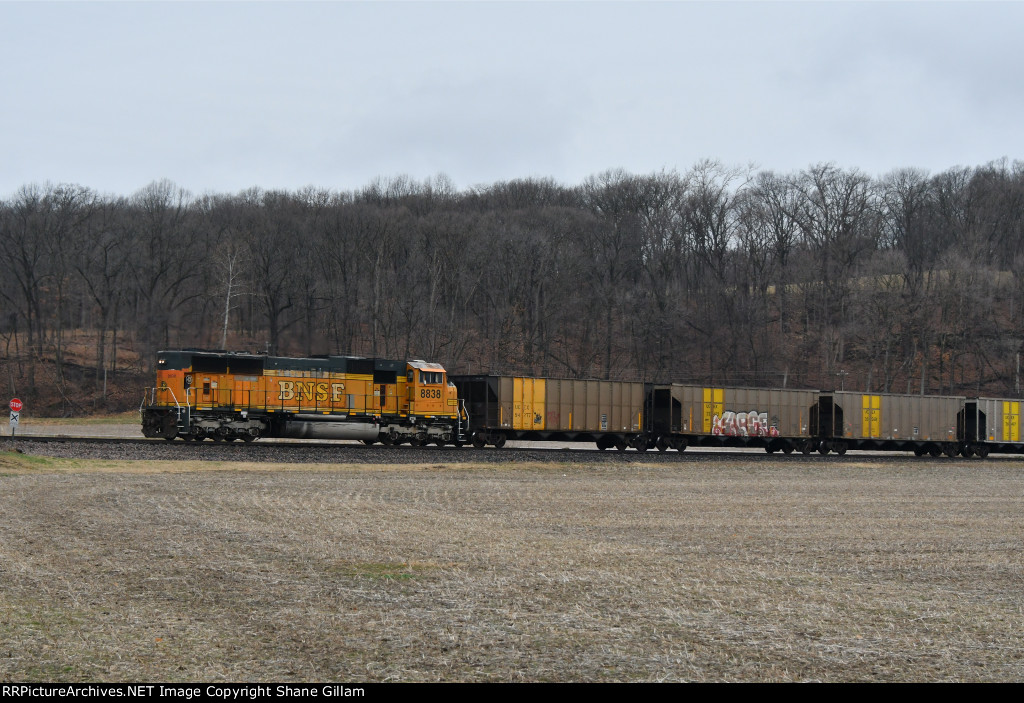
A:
(729, 571)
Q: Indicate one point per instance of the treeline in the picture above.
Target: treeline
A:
(821, 278)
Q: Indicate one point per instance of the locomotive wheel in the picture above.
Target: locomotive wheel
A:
(248, 437)
(369, 442)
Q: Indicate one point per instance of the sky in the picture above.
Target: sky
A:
(219, 97)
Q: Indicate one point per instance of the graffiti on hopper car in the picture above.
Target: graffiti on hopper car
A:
(743, 424)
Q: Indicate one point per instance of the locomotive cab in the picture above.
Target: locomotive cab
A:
(428, 392)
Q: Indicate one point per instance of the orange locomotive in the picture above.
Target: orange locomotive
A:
(226, 396)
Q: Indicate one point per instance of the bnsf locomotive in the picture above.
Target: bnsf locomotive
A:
(228, 396)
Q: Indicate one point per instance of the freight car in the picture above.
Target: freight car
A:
(227, 396)
(610, 413)
(684, 416)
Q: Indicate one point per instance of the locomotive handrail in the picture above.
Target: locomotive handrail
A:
(149, 394)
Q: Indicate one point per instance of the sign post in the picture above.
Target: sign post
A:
(15, 405)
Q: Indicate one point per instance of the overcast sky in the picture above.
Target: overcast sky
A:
(225, 96)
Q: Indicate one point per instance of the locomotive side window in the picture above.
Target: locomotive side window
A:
(431, 377)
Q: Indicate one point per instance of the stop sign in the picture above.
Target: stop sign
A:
(15, 405)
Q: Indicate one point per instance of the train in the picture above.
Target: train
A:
(227, 396)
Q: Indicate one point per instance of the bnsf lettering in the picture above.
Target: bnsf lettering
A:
(310, 390)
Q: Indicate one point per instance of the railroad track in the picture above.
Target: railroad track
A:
(310, 451)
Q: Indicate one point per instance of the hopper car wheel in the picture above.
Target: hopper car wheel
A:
(661, 444)
(788, 449)
(770, 449)
(950, 449)
(499, 441)
(807, 447)
(935, 452)
(919, 451)
(620, 445)
(478, 442)
(841, 448)
(967, 452)
(823, 448)
(981, 451)
(641, 444)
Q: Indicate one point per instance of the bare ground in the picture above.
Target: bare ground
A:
(206, 571)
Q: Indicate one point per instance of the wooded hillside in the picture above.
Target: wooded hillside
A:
(823, 278)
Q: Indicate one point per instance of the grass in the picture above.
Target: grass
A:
(121, 571)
